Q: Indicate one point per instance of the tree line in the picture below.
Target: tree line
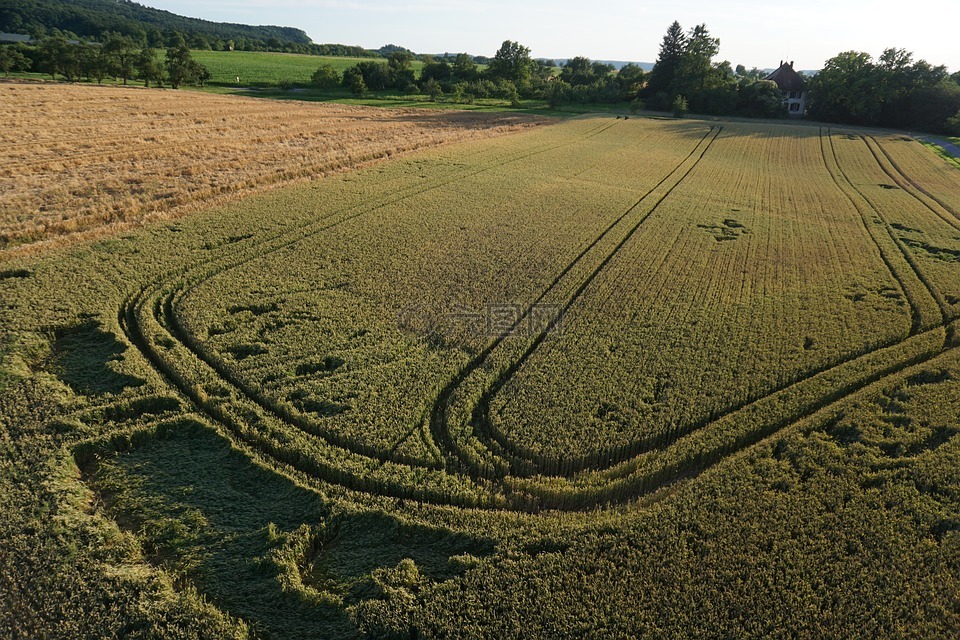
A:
(119, 56)
(892, 91)
(88, 20)
(512, 74)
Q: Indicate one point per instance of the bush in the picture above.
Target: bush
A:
(508, 91)
(680, 107)
(461, 93)
(325, 77)
(354, 81)
(558, 93)
(433, 89)
(760, 98)
(953, 125)
(286, 85)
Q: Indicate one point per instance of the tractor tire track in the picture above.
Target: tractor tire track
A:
(908, 255)
(243, 253)
(439, 413)
(952, 217)
(604, 459)
(165, 314)
(916, 312)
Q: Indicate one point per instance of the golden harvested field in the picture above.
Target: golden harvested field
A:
(81, 159)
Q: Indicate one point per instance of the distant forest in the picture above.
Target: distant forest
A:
(89, 19)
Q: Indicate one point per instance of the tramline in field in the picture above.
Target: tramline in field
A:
(709, 297)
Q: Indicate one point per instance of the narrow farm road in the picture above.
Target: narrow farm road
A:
(949, 147)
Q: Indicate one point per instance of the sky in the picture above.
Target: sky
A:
(754, 33)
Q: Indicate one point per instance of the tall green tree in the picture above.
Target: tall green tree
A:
(695, 67)
(932, 107)
(400, 69)
(464, 69)
(13, 59)
(664, 72)
(894, 91)
(148, 67)
(94, 63)
(121, 54)
(759, 98)
(582, 71)
(325, 77)
(54, 53)
(183, 69)
(512, 62)
(630, 78)
(685, 68)
(176, 40)
(845, 89)
(357, 84)
(436, 70)
(375, 75)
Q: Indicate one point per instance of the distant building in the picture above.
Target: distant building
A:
(793, 87)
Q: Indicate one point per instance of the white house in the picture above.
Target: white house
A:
(793, 87)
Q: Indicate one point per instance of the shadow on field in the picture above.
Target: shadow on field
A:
(81, 358)
(212, 518)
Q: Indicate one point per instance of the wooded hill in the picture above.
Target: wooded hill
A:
(91, 18)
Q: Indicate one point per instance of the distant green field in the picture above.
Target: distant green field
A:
(255, 68)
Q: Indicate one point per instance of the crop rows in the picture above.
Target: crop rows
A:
(339, 344)
(718, 301)
(578, 316)
(720, 290)
(148, 319)
(707, 357)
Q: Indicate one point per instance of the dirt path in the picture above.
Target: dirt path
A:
(949, 147)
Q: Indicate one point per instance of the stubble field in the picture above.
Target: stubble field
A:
(100, 159)
(607, 377)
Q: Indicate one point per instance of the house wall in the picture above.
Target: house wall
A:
(795, 102)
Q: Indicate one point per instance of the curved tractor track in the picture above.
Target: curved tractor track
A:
(482, 469)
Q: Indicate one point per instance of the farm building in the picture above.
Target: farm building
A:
(793, 86)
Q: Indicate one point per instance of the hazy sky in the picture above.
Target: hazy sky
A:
(751, 32)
